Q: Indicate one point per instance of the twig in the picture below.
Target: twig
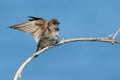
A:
(103, 39)
(115, 34)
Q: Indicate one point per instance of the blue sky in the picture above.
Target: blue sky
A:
(73, 61)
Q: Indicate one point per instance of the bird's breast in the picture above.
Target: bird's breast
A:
(55, 34)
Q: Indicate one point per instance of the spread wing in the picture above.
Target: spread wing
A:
(35, 27)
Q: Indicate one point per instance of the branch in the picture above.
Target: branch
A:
(102, 39)
(115, 34)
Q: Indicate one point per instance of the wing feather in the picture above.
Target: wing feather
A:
(33, 27)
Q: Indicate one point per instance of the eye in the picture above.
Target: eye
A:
(54, 23)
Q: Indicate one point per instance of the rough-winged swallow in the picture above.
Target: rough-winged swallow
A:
(44, 32)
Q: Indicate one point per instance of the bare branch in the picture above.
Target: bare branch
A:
(102, 39)
(115, 34)
(18, 73)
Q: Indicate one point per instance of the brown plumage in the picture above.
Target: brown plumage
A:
(44, 32)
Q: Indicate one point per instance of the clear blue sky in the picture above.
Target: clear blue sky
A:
(73, 61)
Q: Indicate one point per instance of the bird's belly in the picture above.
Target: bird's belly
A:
(49, 39)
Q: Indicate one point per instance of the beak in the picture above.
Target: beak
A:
(56, 28)
(58, 22)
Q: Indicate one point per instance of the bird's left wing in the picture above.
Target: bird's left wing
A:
(35, 27)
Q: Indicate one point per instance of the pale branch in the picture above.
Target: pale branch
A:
(115, 34)
(102, 39)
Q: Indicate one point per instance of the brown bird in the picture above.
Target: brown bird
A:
(44, 32)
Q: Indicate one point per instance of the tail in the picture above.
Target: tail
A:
(39, 46)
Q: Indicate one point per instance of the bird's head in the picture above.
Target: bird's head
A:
(53, 24)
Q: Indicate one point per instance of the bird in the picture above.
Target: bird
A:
(45, 33)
